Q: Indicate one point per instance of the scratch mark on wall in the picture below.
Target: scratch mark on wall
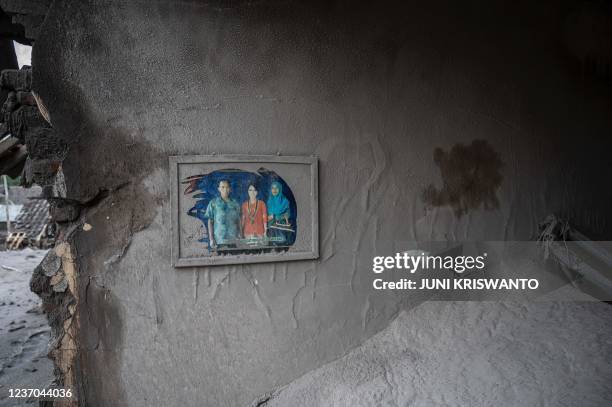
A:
(219, 285)
(376, 233)
(328, 242)
(256, 294)
(295, 302)
(380, 165)
(314, 283)
(196, 282)
(159, 316)
(364, 313)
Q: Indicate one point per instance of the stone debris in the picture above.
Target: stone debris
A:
(51, 264)
(61, 286)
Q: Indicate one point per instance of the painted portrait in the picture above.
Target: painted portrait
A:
(243, 209)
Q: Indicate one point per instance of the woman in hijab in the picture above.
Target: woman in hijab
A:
(278, 213)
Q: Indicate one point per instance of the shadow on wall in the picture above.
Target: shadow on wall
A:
(471, 176)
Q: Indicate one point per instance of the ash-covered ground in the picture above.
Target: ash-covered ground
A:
(24, 331)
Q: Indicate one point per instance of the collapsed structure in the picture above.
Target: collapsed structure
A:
(30, 148)
(34, 227)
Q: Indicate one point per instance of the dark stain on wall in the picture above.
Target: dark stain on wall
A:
(101, 330)
(471, 175)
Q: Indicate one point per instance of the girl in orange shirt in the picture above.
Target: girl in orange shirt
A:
(254, 215)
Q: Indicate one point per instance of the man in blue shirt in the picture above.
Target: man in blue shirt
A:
(223, 215)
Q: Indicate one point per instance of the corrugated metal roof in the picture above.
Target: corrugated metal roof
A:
(33, 217)
(20, 195)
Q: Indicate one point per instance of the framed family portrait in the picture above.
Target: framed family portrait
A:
(238, 209)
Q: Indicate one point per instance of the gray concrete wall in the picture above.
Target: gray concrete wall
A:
(373, 90)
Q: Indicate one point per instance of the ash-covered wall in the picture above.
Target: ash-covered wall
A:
(397, 99)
